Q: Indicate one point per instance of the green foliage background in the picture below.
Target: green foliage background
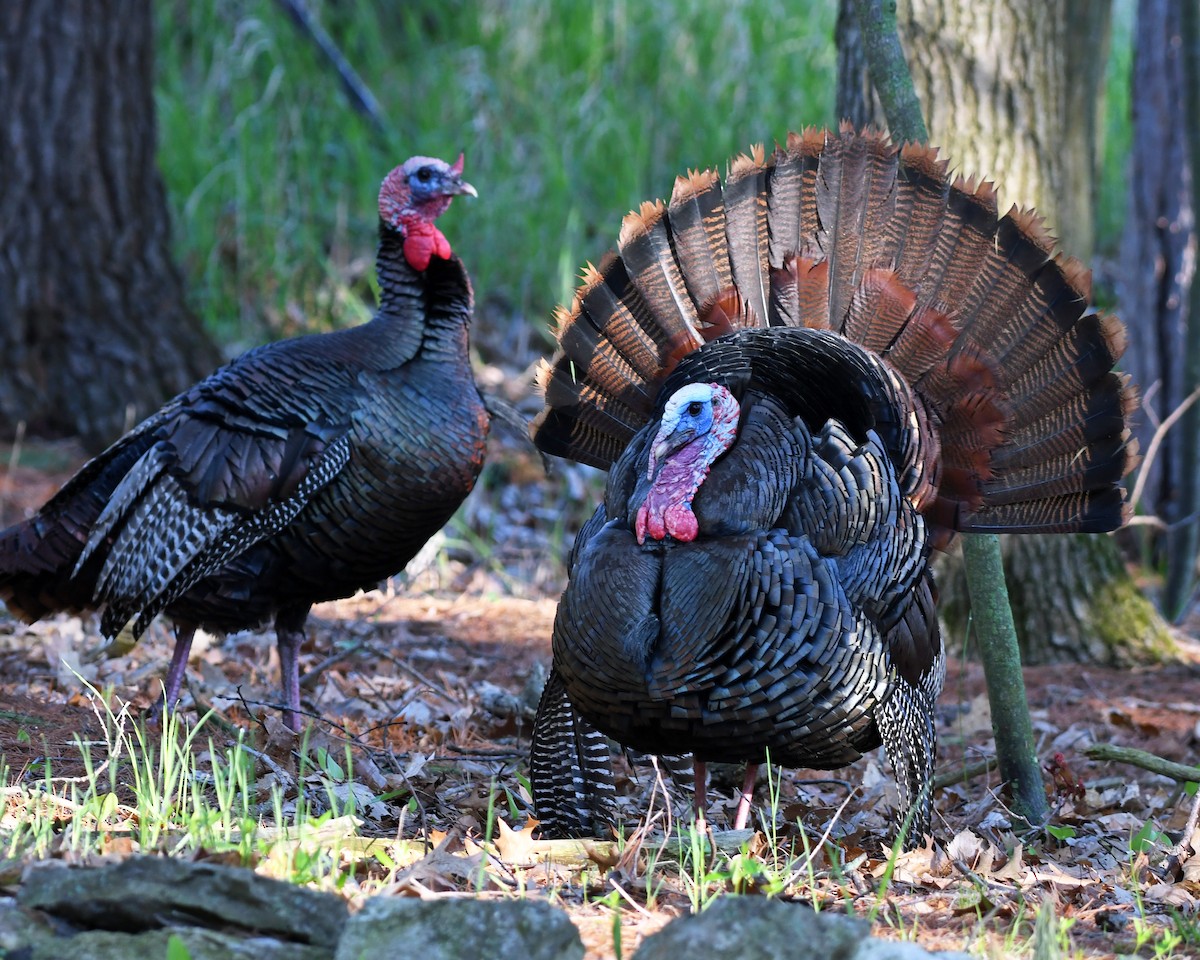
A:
(569, 114)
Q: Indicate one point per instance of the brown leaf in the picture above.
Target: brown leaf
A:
(517, 847)
(1014, 869)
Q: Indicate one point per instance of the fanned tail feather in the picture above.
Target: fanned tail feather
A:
(1011, 370)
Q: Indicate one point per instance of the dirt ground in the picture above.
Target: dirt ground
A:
(435, 682)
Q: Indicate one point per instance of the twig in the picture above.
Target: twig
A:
(1155, 442)
(483, 753)
(948, 778)
(1184, 846)
(359, 93)
(14, 457)
(204, 708)
(282, 775)
(628, 899)
(415, 674)
(310, 677)
(1143, 759)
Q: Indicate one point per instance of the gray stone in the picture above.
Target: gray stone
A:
(874, 949)
(152, 945)
(460, 929)
(144, 893)
(21, 928)
(755, 928)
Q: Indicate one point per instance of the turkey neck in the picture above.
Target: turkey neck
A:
(424, 310)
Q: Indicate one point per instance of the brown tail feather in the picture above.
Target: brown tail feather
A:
(845, 232)
(920, 207)
(697, 218)
(645, 248)
(791, 198)
(746, 230)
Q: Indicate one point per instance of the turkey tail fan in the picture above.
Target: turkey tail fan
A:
(844, 231)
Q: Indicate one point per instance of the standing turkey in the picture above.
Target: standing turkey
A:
(801, 380)
(302, 471)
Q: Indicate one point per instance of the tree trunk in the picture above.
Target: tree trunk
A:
(1011, 91)
(94, 331)
(1157, 262)
(1184, 545)
(1150, 275)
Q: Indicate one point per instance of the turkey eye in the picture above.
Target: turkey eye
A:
(694, 408)
(424, 174)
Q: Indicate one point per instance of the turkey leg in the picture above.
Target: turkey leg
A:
(179, 658)
(700, 772)
(746, 797)
(289, 635)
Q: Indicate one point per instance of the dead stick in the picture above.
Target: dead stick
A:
(948, 778)
(360, 95)
(1147, 761)
(582, 852)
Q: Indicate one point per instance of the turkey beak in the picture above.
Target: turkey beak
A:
(675, 440)
(657, 452)
(457, 187)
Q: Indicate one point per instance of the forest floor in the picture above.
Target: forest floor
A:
(433, 685)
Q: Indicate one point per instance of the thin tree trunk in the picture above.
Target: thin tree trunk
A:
(1155, 272)
(1014, 94)
(93, 328)
(1184, 539)
(1151, 276)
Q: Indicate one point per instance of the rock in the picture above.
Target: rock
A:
(153, 945)
(146, 893)
(21, 928)
(875, 949)
(460, 929)
(755, 928)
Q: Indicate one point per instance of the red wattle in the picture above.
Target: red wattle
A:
(422, 242)
(659, 517)
(681, 522)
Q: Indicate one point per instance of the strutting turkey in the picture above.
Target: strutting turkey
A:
(300, 472)
(801, 380)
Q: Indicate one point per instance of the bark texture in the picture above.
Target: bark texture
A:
(1184, 548)
(1013, 90)
(93, 327)
(1157, 259)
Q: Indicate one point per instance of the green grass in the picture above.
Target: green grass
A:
(569, 115)
(160, 790)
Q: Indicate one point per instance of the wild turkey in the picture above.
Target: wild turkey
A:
(302, 471)
(801, 380)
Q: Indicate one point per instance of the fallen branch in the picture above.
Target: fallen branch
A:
(360, 95)
(582, 853)
(1155, 442)
(948, 778)
(1147, 761)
